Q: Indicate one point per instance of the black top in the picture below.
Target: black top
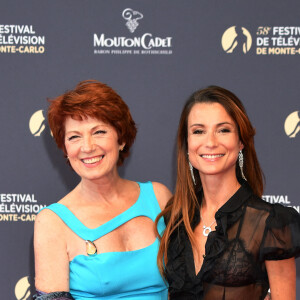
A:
(248, 232)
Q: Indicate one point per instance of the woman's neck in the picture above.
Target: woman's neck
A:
(104, 189)
(217, 190)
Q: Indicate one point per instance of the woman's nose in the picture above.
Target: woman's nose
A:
(211, 140)
(87, 145)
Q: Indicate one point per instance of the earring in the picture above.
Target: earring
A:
(192, 173)
(241, 164)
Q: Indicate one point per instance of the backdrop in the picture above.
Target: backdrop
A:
(154, 54)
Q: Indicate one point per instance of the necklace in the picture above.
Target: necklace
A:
(206, 229)
(91, 248)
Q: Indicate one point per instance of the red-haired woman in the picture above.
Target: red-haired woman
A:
(99, 241)
(221, 240)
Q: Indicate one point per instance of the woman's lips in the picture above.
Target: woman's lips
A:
(92, 160)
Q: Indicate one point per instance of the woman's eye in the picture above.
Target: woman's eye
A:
(224, 130)
(100, 132)
(198, 131)
(73, 137)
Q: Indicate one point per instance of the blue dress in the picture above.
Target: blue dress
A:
(117, 275)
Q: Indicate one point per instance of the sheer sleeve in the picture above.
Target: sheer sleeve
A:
(281, 238)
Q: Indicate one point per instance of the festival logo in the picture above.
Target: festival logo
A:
(292, 124)
(21, 39)
(132, 17)
(22, 289)
(37, 123)
(236, 39)
(278, 40)
(145, 43)
(19, 207)
(269, 40)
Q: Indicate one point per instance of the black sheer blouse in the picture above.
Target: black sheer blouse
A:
(248, 232)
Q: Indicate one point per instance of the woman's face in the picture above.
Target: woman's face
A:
(213, 140)
(92, 147)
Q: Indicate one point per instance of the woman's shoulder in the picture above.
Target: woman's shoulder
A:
(47, 220)
(48, 217)
(282, 231)
(277, 227)
(162, 193)
(275, 210)
(258, 203)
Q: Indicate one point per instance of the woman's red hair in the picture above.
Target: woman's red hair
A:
(94, 99)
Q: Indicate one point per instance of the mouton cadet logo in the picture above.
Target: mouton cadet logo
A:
(132, 17)
(145, 43)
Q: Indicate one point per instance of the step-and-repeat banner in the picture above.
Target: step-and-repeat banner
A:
(154, 54)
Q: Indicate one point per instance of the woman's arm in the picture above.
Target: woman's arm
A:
(282, 278)
(50, 251)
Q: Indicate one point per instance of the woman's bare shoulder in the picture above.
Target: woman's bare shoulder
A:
(162, 194)
(47, 224)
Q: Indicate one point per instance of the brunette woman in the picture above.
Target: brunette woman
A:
(99, 241)
(222, 242)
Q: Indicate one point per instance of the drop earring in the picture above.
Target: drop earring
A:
(192, 173)
(241, 164)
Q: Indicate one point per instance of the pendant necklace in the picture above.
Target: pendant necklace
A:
(91, 248)
(206, 229)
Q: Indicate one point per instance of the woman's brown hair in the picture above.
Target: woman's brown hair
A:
(182, 206)
(94, 99)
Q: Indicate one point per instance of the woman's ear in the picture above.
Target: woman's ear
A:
(241, 145)
(122, 146)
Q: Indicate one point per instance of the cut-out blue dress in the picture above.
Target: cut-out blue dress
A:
(116, 275)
